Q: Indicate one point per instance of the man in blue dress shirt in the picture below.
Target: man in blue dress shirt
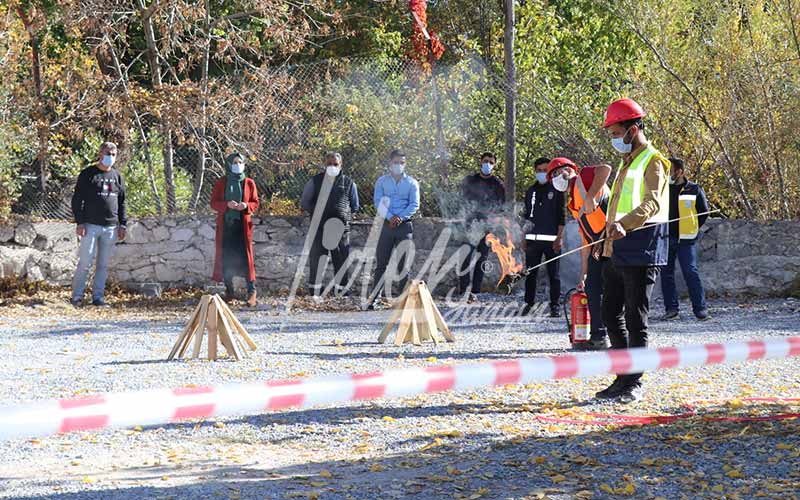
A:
(397, 200)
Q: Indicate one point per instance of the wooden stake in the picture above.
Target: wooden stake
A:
(223, 328)
(188, 330)
(436, 314)
(417, 318)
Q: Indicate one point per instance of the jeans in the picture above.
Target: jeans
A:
(389, 239)
(533, 256)
(686, 253)
(594, 292)
(626, 304)
(473, 284)
(318, 261)
(99, 241)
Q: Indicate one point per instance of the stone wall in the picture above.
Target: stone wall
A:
(736, 257)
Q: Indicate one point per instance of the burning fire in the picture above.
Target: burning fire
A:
(505, 254)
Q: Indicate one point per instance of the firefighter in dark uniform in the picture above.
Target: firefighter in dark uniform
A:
(485, 194)
(333, 234)
(582, 184)
(544, 235)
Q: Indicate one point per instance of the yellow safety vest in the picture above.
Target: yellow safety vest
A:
(688, 225)
(633, 188)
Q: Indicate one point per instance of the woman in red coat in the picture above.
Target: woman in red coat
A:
(235, 198)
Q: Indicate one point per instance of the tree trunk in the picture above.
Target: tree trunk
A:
(42, 126)
(166, 131)
(511, 106)
(148, 159)
(199, 175)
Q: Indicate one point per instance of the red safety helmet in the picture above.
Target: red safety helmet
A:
(559, 162)
(622, 110)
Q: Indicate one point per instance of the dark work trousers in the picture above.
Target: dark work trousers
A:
(318, 261)
(594, 292)
(533, 255)
(234, 256)
(389, 239)
(626, 304)
(476, 274)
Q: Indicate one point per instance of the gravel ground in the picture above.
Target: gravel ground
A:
(488, 444)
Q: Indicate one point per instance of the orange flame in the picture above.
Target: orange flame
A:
(505, 254)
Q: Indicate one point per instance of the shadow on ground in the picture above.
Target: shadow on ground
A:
(688, 459)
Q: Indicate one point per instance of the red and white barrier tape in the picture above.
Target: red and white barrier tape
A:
(161, 406)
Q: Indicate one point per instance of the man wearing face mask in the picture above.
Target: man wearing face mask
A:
(544, 235)
(587, 195)
(396, 199)
(98, 205)
(637, 233)
(235, 199)
(484, 194)
(686, 201)
(332, 237)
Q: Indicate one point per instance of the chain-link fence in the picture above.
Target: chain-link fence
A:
(283, 120)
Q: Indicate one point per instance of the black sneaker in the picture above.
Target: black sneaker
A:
(670, 315)
(526, 310)
(472, 298)
(600, 344)
(702, 315)
(554, 312)
(99, 303)
(631, 393)
(76, 302)
(613, 390)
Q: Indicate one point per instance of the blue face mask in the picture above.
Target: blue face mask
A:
(487, 168)
(108, 160)
(541, 177)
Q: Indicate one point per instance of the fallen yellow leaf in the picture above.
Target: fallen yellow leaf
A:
(325, 473)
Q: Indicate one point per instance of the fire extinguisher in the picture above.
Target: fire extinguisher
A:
(578, 319)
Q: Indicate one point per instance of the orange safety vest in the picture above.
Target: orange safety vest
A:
(591, 225)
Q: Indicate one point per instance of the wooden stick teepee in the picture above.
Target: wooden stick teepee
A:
(213, 313)
(417, 318)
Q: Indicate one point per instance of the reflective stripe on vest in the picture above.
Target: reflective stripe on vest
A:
(688, 225)
(633, 189)
(540, 237)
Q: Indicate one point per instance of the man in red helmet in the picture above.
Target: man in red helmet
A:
(638, 238)
(587, 195)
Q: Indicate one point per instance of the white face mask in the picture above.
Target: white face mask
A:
(397, 168)
(541, 177)
(560, 183)
(487, 168)
(619, 144)
(108, 160)
(237, 168)
(332, 170)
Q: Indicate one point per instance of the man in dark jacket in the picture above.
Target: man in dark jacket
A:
(484, 194)
(336, 196)
(545, 215)
(687, 202)
(98, 206)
